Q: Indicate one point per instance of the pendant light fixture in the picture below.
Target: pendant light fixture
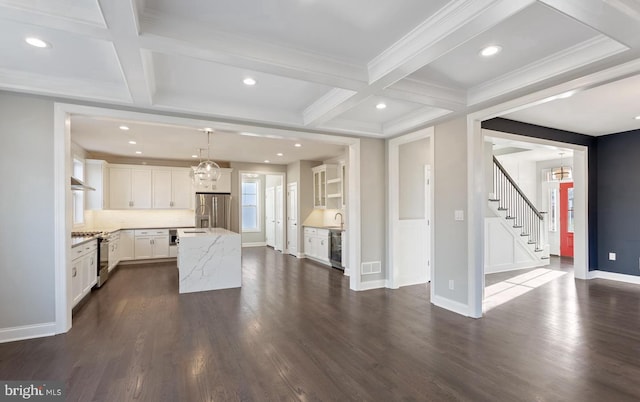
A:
(561, 173)
(207, 171)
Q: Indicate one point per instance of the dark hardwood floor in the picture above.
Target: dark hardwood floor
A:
(296, 332)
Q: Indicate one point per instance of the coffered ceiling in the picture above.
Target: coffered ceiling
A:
(319, 66)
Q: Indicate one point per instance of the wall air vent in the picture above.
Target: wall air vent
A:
(374, 267)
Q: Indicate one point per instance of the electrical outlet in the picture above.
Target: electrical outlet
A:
(450, 284)
(612, 256)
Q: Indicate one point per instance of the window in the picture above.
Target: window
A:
(250, 205)
(78, 196)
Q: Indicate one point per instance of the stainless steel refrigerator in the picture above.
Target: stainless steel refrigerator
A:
(213, 210)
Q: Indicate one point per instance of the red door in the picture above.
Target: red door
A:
(566, 219)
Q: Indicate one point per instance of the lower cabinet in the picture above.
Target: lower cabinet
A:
(126, 245)
(316, 244)
(151, 243)
(114, 250)
(84, 269)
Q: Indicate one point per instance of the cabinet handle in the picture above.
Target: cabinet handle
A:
(130, 203)
(171, 204)
(74, 272)
(322, 242)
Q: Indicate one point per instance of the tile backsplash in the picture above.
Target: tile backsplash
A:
(104, 219)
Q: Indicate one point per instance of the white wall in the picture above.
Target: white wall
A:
(26, 212)
(450, 192)
(524, 173)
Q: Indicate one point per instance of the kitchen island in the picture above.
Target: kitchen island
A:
(209, 259)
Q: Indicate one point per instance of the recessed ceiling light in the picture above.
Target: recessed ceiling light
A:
(565, 95)
(297, 145)
(637, 117)
(132, 142)
(267, 161)
(37, 42)
(279, 154)
(249, 81)
(194, 156)
(138, 152)
(124, 128)
(491, 50)
(207, 129)
(381, 106)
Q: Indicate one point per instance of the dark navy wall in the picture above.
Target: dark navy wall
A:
(619, 202)
(593, 146)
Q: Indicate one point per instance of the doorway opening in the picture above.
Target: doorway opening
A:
(516, 262)
(262, 209)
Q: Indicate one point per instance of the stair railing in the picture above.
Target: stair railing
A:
(517, 206)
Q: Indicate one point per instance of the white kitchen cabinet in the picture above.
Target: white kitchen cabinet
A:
(223, 185)
(114, 250)
(151, 243)
(316, 244)
(126, 245)
(130, 188)
(172, 189)
(97, 176)
(327, 187)
(84, 269)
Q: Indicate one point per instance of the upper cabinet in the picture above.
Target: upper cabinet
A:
(130, 188)
(327, 187)
(97, 176)
(223, 184)
(172, 189)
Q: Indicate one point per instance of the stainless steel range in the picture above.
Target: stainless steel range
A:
(103, 253)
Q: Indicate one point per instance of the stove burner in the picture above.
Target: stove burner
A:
(86, 234)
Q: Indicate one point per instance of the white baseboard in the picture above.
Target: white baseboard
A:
(27, 332)
(255, 244)
(613, 276)
(517, 266)
(377, 284)
(451, 305)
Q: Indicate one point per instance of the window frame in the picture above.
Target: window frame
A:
(257, 205)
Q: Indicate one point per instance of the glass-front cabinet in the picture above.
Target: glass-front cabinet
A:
(327, 187)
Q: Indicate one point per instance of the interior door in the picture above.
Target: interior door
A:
(566, 219)
(279, 219)
(292, 219)
(270, 218)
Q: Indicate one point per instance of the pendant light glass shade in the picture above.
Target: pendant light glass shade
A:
(207, 171)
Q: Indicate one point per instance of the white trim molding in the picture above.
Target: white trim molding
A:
(27, 332)
(255, 244)
(452, 305)
(377, 284)
(613, 276)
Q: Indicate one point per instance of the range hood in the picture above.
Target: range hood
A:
(78, 185)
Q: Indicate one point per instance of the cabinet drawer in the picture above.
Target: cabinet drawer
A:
(310, 231)
(151, 232)
(322, 232)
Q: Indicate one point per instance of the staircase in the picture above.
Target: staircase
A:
(509, 202)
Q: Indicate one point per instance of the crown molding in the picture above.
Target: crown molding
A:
(426, 93)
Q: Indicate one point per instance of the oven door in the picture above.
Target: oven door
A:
(103, 266)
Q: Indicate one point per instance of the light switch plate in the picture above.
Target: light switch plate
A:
(458, 215)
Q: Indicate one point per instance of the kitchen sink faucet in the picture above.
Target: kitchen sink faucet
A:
(341, 220)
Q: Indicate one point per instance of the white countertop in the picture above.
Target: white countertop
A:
(204, 232)
(342, 229)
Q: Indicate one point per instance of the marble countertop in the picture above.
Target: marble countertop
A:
(204, 232)
(76, 241)
(343, 229)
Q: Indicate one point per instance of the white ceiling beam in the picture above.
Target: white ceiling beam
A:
(453, 25)
(173, 36)
(122, 20)
(325, 105)
(427, 94)
(617, 19)
(412, 120)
